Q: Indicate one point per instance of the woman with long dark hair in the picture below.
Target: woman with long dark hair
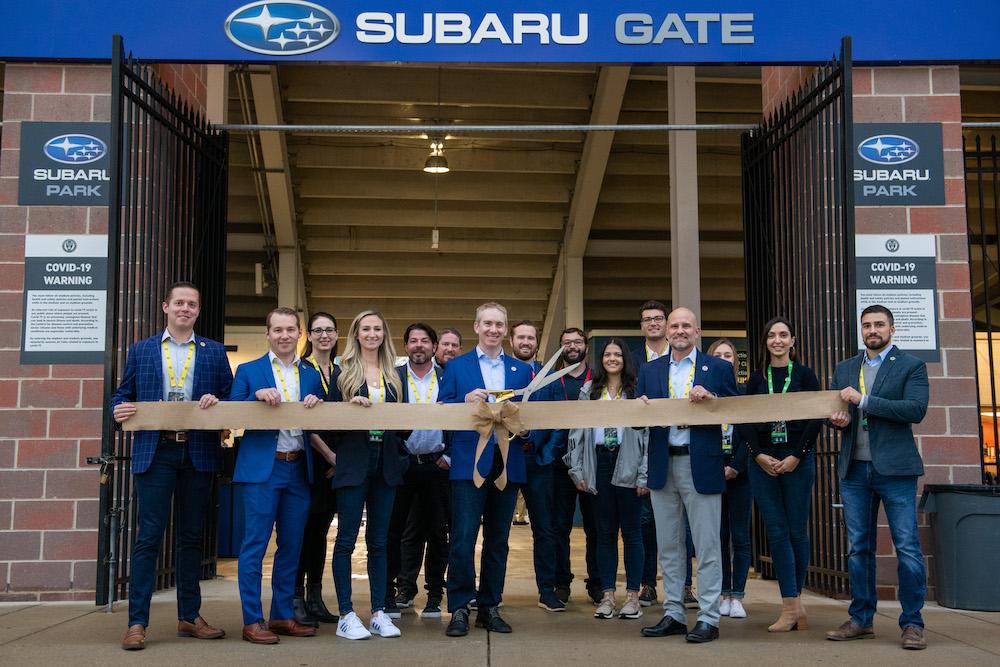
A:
(785, 469)
(610, 462)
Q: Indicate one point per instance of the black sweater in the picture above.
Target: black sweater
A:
(802, 433)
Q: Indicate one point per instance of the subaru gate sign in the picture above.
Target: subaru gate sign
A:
(64, 164)
(898, 164)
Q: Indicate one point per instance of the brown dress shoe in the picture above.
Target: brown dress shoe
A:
(199, 629)
(257, 633)
(913, 638)
(850, 630)
(291, 627)
(135, 638)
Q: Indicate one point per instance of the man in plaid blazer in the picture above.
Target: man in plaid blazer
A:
(177, 365)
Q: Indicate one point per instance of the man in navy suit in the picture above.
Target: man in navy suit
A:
(469, 378)
(275, 469)
(172, 466)
(687, 474)
(887, 392)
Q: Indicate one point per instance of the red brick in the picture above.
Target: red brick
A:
(967, 474)
(21, 545)
(951, 391)
(902, 81)
(10, 333)
(880, 220)
(101, 109)
(7, 453)
(90, 371)
(885, 570)
(88, 447)
(886, 592)
(944, 80)
(47, 454)
(11, 137)
(883, 542)
(952, 276)
(16, 106)
(862, 80)
(963, 420)
(937, 220)
(69, 545)
(878, 109)
(23, 423)
(62, 107)
(951, 134)
(935, 369)
(9, 163)
(936, 475)
(57, 220)
(98, 220)
(953, 247)
(935, 422)
(954, 164)
(954, 191)
(88, 80)
(74, 484)
(11, 368)
(40, 576)
(85, 575)
(960, 363)
(71, 596)
(918, 109)
(50, 393)
(88, 515)
(8, 191)
(21, 484)
(6, 517)
(33, 79)
(12, 247)
(949, 449)
(13, 220)
(12, 277)
(43, 514)
(93, 394)
(75, 423)
(955, 333)
(956, 304)
(8, 393)
(11, 302)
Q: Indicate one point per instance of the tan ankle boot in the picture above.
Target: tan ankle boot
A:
(789, 616)
(803, 622)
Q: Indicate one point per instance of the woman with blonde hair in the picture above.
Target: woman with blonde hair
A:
(368, 470)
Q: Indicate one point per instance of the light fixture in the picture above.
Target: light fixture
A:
(436, 162)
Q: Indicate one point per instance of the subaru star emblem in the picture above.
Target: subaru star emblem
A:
(75, 149)
(888, 149)
(287, 28)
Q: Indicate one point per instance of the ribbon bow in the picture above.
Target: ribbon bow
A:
(501, 419)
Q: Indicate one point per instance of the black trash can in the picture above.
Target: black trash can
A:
(965, 522)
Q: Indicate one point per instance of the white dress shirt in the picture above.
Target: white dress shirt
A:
(680, 371)
(289, 439)
(427, 388)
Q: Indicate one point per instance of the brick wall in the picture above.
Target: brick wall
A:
(949, 436)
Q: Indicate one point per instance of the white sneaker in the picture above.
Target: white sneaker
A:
(725, 607)
(351, 627)
(737, 610)
(382, 625)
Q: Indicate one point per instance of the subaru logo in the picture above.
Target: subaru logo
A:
(286, 28)
(75, 148)
(888, 149)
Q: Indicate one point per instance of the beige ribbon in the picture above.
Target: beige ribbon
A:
(500, 419)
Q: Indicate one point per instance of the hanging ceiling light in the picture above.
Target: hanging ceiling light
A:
(436, 162)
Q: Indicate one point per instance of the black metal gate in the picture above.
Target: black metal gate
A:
(166, 222)
(982, 179)
(798, 217)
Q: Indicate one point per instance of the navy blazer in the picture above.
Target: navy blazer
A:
(461, 376)
(255, 459)
(707, 461)
(353, 449)
(896, 400)
(143, 381)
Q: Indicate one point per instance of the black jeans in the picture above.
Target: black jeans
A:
(563, 510)
(617, 508)
(420, 516)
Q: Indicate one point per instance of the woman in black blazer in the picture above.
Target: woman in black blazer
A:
(368, 470)
(784, 469)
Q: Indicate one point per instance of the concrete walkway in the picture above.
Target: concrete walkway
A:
(70, 634)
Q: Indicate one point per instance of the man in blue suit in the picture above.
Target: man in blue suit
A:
(687, 474)
(172, 466)
(887, 392)
(275, 468)
(469, 378)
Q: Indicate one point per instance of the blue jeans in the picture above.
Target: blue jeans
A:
(171, 475)
(862, 490)
(737, 503)
(617, 508)
(564, 509)
(471, 507)
(537, 494)
(351, 501)
(784, 503)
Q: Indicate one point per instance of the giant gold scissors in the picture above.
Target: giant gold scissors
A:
(541, 379)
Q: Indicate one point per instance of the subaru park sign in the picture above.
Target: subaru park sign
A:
(64, 164)
(631, 31)
(898, 164)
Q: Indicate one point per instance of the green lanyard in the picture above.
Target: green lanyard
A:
(788, 380)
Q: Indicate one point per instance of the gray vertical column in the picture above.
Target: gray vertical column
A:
(685, 268)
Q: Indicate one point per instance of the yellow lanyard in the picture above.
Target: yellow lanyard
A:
(413, 386)
(605, 396)
(649, 353)
(322, 378)
(281, 376)
(687, 386)
(170, 365)
(861, 378)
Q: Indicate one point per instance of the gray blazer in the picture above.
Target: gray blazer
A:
(897, 400)
(581, 458)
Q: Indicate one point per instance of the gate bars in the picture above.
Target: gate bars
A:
(798, 213)
(166, 222)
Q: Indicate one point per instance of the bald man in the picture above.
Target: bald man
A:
(687, 475)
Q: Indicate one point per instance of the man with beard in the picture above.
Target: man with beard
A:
(537, 490)
(449, 346)
(887, 392)
(420, 512)
(565, 494)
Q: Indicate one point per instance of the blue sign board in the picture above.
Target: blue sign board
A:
(629, 31)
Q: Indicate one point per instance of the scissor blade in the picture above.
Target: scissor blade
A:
(537, 382)
(552, 377)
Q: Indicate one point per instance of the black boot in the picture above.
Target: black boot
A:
(299, 609)
(316, 607)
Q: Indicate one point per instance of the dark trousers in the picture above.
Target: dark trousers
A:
(377, 496)
(170, 475)
(564, 509)
(649, 554)
(471, 507)
(617, 509)
(420, 516)
(312, 560)
(537, 492)
(737, 504)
